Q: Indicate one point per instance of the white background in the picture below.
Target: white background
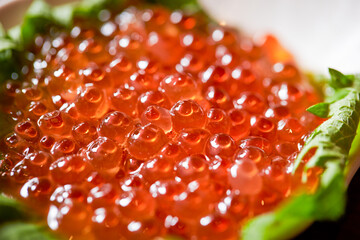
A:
(319, 33)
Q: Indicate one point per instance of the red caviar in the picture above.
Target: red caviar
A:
(151, 123)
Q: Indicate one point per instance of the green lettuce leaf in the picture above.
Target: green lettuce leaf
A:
(190, 5)
(17, 223)
(7, 58)
(339, 80)
(65, 14)
(11, 210)
(25, 231)
(37, 20)
(41, 15)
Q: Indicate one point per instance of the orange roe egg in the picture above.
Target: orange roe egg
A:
(146, 141)
(217, 226)
(104, 154)
(192, 168)
(179, 87)
(243, 176)
(173, 152)
(91, 102)
(221, 145)
(193, 140)
(84, 133)
(152, 98)
(55, 123)
(187, 114)
(27, 130)
(106, 223)
(103, 195)
(116, 126)
(62, 218)
(158, 116)
(38, 163)
(69, 169)
(124, 100)
(158, 169)
(136, 204)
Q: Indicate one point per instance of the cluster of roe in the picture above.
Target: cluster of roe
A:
(149, 123)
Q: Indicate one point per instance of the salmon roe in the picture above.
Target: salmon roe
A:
(149, 123)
